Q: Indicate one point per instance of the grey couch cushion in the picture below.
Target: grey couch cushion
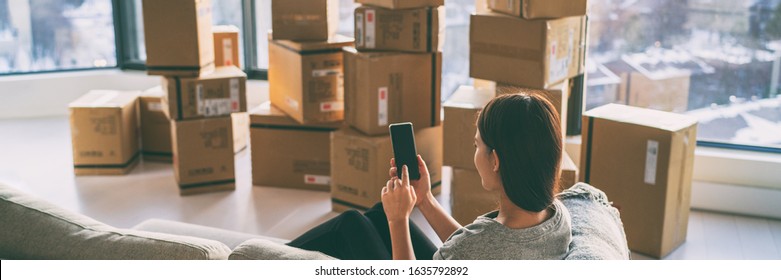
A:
(597, 231)
(263, 249)
(34, 229)
(227, 237)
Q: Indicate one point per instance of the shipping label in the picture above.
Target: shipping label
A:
(651, 157)
(382, 106)
(371, 23)
(227, 51)
(317, 179)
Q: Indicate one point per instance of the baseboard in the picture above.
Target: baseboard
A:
(742, 200)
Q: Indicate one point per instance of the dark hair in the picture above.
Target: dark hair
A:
(524, 130)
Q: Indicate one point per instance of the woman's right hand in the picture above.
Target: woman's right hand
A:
(422, 186)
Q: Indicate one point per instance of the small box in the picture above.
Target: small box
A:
(557, 94)
(155, 126)
(219, 93)
(402, 4)
(461, 111)
(178, 36)
(534, 9)
(411, 30)
(527, 53)
(643, 160)
(382, 88)
(104, 132)
(306, 80)
(226, 46)
(240, 123)
(304, 20)
(360, 164)
(287, 154)
(203, 155)
(468, 198)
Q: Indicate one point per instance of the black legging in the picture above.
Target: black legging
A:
(356, 236)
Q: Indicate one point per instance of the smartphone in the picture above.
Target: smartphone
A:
(404, 151)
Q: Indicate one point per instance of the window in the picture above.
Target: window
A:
(52, 35)
(717, 60)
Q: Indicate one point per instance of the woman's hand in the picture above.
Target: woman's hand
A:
(422, 186)
(398, 198)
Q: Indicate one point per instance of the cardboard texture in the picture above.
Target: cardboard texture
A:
(526, 53)
(459, 126)
(178, 37)
(155, 127)
(411, 30)
(304, 20)
(240, 122)
(104, 132)
(642, 159)
(534, 9)
(216, 94)
(226, 46)
(569, 172)
(402, 4)
(287, 154)
(382, 88)
(306, 80)
(360, 164)
(468, 198)
(203, 155)
(557, 94)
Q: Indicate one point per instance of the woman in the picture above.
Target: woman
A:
(518, 151)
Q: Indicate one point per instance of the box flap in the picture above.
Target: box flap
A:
(105, 99)
(641, 116)
(468, 97)
(336, 42)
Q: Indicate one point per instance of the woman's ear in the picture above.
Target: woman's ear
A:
(495, 161)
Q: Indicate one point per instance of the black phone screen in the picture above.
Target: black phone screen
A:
(404, 150)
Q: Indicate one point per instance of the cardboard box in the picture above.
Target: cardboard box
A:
(534, 9)
(360, 164)
(226, 46)
(402, 4)
(557, 94)
(569, 172)
(382, 88)
(459, 126)
(306, 80)
(642, 159)
(155, 126)
(104, 132)
(411, 30)
(287, 154)
(304, 20)
(203, 155)
(241, 124)
(178, 37)
(216, 94)
(468, 198)
(527, 53)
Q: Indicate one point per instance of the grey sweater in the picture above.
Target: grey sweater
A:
(487, 239)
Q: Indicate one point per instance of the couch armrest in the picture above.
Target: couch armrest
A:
(227, 237)
(597, 230)
(262, 249)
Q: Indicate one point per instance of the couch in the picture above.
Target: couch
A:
(35, 229)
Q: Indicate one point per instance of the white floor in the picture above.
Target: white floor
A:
(35, 156)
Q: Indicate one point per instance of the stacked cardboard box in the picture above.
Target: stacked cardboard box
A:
(468, 198)
(288, 154)
(646, 173)
(104, 132)
(291, 135)
(155, 126)
(199, 95)
(392, 75)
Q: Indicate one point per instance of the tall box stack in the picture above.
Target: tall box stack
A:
(468, 198)
(392, 75)
(199, 95)
(646, 173)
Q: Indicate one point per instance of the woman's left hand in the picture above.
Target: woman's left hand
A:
(398, 198)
